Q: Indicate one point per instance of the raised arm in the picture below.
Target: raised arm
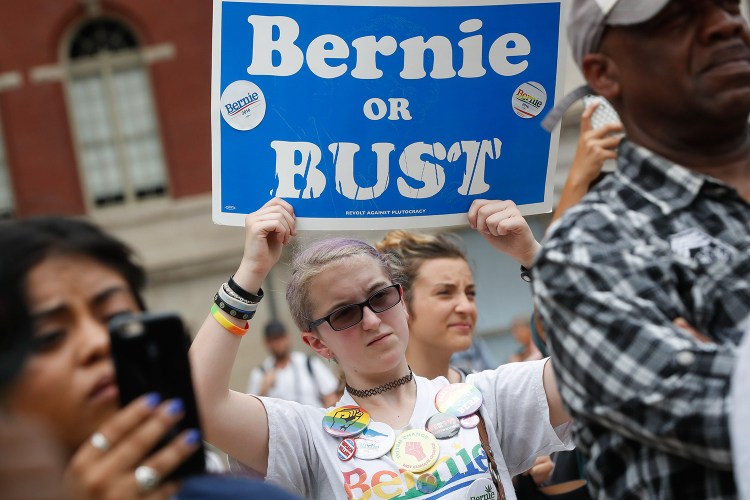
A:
(237, 423)
(557, 413)
(503, 226)
(595, 146)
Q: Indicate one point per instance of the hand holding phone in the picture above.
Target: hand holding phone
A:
(150, 354)
(597, 145)
(106, 465)
(604, 113)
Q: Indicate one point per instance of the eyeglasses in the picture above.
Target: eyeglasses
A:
(349, 315)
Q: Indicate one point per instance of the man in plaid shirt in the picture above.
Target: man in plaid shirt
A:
(664, 241)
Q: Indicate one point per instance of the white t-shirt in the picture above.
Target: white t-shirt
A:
(303, 457)
(294, 382)
(740, 417)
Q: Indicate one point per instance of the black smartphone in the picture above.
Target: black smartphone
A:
(150, 353)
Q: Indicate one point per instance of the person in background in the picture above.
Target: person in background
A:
(666, 236)
(439, 288)
(292, 375)
(521, 330)
(439, 294)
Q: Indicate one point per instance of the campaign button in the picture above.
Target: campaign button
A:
(529, 99)
(347, 449)
(482, 488)
(415, 450)
(375, 441)
(470, 421)
(443, 425)
(427, 483)
(458, 399)
(346, 421)
(243, 105)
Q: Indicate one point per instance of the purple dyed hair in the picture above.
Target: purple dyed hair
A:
(312, 260)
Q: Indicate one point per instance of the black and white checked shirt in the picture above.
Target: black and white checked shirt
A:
(653, 242)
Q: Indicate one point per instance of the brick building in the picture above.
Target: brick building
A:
(104, 113)
(103, 103)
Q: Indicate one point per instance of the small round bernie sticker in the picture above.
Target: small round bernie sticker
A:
(243, 105)
(529, 99)
(482, 488)
(375, 441)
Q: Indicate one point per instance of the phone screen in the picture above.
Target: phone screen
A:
(150, 353)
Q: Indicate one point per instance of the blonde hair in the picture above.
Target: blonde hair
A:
(311, 261)
(413, 249)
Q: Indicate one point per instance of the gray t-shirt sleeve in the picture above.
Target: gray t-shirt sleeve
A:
(518, 415)
(293, 460)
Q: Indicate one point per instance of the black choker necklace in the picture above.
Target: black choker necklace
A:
(381, 388)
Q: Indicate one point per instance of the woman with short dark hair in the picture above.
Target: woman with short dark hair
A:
(63, 280)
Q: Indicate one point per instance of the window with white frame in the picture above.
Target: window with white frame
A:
(6, 191)
(113, 115)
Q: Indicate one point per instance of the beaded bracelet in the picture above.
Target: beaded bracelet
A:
(228, 325)
(250, 297)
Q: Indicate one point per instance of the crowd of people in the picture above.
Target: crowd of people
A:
(634, 355)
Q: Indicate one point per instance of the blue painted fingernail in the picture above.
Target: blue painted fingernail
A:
(152, 399)
(192, 437)
(175, 407)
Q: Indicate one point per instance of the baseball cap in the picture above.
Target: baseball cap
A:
(275, 329)
(586, 23)
(588, 18)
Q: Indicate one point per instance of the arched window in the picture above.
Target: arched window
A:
(6, 193)
(114, 120)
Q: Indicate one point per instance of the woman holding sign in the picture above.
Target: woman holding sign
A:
(439, 287)
(392, 433)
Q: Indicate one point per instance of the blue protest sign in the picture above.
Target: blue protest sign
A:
(382, 115)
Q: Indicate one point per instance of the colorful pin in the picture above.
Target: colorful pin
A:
(415, 450)
(482, 488)
(470, 421)
(375, 441)
(458, 399)
(347, 449)
(442, 425)
(346, 421)
(427, 483)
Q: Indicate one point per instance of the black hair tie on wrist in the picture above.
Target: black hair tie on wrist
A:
(526, 275)
(250, 297)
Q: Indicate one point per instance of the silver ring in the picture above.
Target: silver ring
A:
(146, 478)
(99, 441)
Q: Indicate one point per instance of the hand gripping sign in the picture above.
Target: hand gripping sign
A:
(382, 114)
